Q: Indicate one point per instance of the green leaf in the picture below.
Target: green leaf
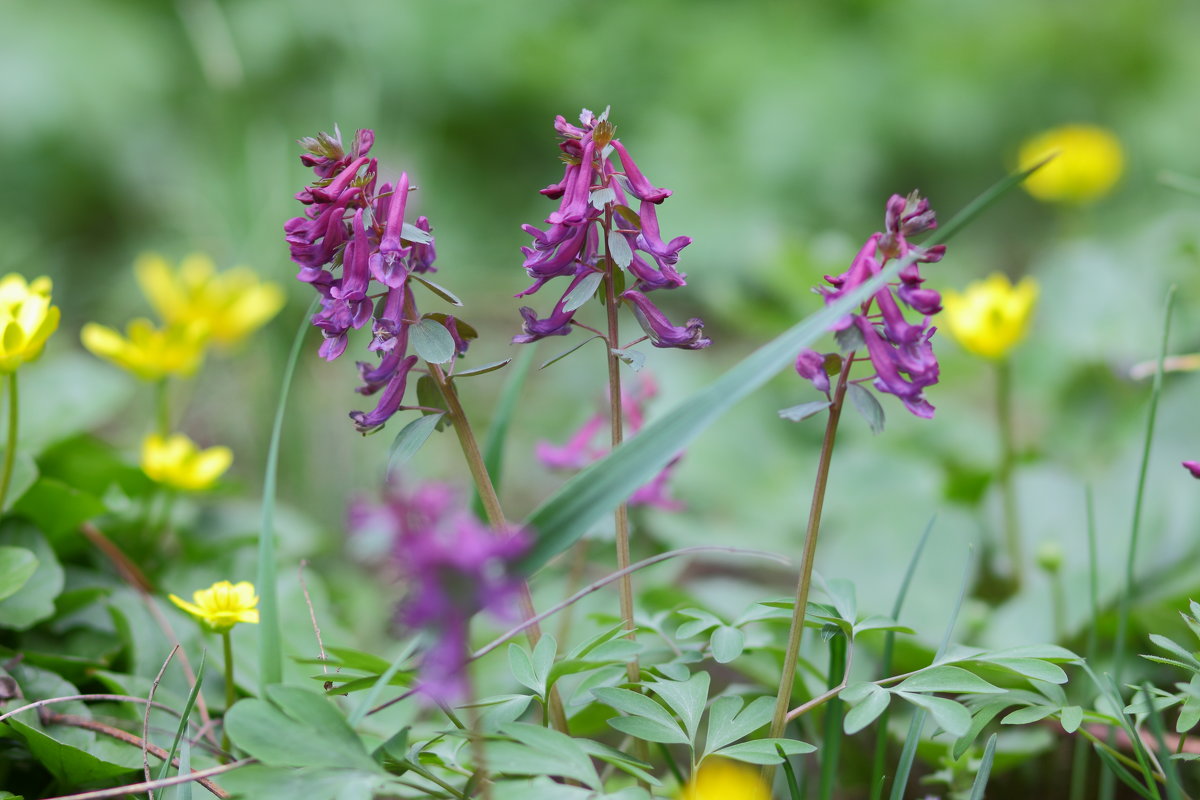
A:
(583, 291)
(618, 248)
(842, 593)
(1178, 650)
(34, 601)
(572, 761)
(1028, 714)
(17, 566)
(984, 714)
(410, 439)
(184, 715)
(57, 508)
(520, 663)
(686, 698)
(1071, 718)
(727, 643)
(303, 731)
(70, 764)
(1034, 668)
(867, 710)
(484, 369)
(946, 678)
(985, 770)
(568, 351)
(622, 761)
(765, 751)
(638, 705)
(591, 494)
(848, 339)
(24, 475)
(649, 730)
(411, 233)
(726, 725)
(636, 359)
(440, 291)
(867, 407)
(804, 410)
(432, 341)
(952, 717)
(497, 434)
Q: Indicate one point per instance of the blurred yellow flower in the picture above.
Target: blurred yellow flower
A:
(26, 319)
(991, 316)
(1089, 163)
(175, 461)
(721, 779)
(222, 605)
(230, 305)
(150, 353)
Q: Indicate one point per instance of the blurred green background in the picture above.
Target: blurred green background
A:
(782, 127)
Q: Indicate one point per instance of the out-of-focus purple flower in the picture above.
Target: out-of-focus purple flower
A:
(451, 566)
(1192, 467)
(899, 350)
(595, 220)
(660, 330)
(810, 365)
(351, 224)
(583, 448)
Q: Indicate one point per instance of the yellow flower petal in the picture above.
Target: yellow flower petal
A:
(1089, 162)
(222, 605)
(26, 320)
(722, 779)
(992, 316)
(148, 352)
(176, 462)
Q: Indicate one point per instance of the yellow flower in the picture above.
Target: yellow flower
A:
(150, 353)
(175, 461)
(222, 605)
(1088, 164)
(230, 305)
(719, 779)
(992, 316)
(26, 320)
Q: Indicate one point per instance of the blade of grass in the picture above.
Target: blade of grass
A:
(1167, 763)
(270, 638)
(985, 769)
(790, 773)
(831, 738)
(1079, 756)
(592, 493)
(497, 434)
(885, 667)
(371, 695)
(183, 717)
(909, 753)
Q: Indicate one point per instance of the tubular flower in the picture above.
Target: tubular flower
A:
(222, 605)
(175, 461)
(26, 319)
(229, 305)
(581, 449)
(900, 351)
(992, 316)
(357, 226)
(595, 221)
(722, 779)
(1087, 163)
(452, 567)
(148, 352)
(1192, 467)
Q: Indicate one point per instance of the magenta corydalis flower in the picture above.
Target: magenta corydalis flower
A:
(357, 226)
(595, 220)
(899, 350)
(451, 567)
(590, 443)
(1192, 467)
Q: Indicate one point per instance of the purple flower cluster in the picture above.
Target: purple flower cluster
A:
(581, 449)
(594, 218)
(452, 567)
(900, 351)
(358, 226)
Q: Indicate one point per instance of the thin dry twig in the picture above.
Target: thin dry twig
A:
(82, 697)
(146, 720)
(313, 616)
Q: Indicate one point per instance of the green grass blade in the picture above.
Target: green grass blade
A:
(367, 701)
(831, 736)
(790, 773)
(1135, 527)
(497, 434)
(885, 666)
(985, 769)
(184, 715)
(591, 494)
(270, 638)
(1174, 792)
(1079, 756)
(184, 790)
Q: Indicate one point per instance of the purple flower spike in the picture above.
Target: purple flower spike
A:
(452, 568)
(593, 223)
(1192, 467)
(900, 351)
(660, 330)
(351, 226)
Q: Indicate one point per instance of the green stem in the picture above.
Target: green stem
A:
(162, 407)
(10, 450)
(1012, 530)
(1079, 757)
(230, 690)
(792, 654)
